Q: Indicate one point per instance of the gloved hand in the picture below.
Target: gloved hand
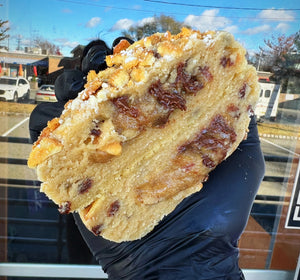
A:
(93, 56)
(198, 240)
(68, 85)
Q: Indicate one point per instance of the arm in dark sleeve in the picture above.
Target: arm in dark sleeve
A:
(198, 240)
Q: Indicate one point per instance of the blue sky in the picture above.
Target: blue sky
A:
(68, 23)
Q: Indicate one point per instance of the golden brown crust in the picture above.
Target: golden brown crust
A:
(123, 45)
(45, 146)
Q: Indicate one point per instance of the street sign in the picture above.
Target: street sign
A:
(293, 216)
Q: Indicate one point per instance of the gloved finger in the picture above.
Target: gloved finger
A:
(252, 136)
(69, 84)
(93, 57)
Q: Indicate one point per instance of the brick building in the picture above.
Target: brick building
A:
(48, 66)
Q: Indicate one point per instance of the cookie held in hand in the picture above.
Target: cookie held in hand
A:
(145, 133)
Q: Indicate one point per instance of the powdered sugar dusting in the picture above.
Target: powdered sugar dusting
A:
(208, 40)
(88, 105)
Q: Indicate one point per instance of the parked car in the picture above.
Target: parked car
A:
(14, 88)
(45, 94)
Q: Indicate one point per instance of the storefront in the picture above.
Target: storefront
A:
(11, 65)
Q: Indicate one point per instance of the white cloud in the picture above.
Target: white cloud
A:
(66, 43)
(276, 15)
(93, 22)
(145, 21)
(122, 24)
(232, 29)
(282, 27)
(208, 20)
(126, 23)
(71, 44)
(252, 52)
(258, 29)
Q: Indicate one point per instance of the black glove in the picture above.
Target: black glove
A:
(93, 56)
(69, 84)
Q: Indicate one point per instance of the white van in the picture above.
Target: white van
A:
(267, 105)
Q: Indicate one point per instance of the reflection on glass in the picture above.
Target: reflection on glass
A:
(32, 230)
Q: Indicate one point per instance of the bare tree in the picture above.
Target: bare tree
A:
(44, 44)
(275, 54)
(279, 56)
(4, 27)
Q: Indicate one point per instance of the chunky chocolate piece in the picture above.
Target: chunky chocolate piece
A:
(96, 132)
(234, 111)
(215, 140)
(168, 99)
(204, 71)
(123, 105)
(186, 82)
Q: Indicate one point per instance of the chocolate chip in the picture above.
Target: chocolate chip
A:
(85, 185)
(242, 91)
(97, 229)
(96, 132)
(113, 209)
(226, 61)
(208, 162)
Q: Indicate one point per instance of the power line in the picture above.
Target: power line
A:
(219, 7)
(174, 13)
(105, 6)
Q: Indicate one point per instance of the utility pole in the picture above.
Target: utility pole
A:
(19, 43)
(259, 58)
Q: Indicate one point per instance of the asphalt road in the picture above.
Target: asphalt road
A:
(15, 126)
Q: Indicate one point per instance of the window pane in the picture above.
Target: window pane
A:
(39, 50)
